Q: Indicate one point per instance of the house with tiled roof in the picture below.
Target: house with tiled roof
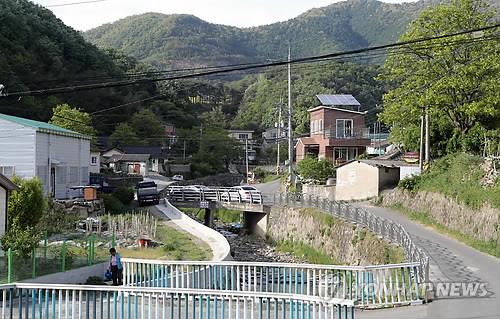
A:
(59, 157)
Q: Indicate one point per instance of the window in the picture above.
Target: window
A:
(344, 129)
(93, 160)
(84, 175)
(7, 170)
(73, 174)
(320, 125)
(345, 154)
(242, 136)
(61, 173)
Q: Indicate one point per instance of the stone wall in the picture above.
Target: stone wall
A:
(344, 242)
(321, 191)
(482, 224)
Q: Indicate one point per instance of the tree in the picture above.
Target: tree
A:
(456, 83)
(73, 119)
(26, 204)
(147, 126)
(216, 152)
(316, 170)
(26, 207)
(215, 118)
(124, 134)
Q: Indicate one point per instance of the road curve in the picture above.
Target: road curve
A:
(450, 261)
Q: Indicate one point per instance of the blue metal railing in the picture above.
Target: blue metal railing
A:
(71, 301)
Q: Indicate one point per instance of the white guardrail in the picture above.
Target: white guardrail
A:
(44, 301)
(216, 194)
(366, 286)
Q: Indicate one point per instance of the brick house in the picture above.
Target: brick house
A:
(337, 130)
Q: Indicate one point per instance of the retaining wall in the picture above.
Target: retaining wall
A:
(482, 224)
(320, 191)
(343, 241)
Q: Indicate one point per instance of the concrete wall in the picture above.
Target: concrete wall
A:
(480, 224)
(357, 180)
(408, 171)
(218, 243)
(344, 242)
(321, 191)
(75, 276)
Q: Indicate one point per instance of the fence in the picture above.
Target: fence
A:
(46, 260)
(194, 194)
(367, 286)
(388, 229)
(72, 301)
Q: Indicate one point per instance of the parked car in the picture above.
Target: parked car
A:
(178, 178)
(147, 192)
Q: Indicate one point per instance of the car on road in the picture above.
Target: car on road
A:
(147, 193)
(244, 193)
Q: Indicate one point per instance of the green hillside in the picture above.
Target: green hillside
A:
(38, 51)
(173, 41)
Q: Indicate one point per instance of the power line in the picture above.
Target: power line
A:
(241, 68)
(73, 3)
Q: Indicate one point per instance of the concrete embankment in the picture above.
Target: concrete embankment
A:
(218, 243)
(343, 241)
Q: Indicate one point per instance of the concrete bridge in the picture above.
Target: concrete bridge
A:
(250, 202)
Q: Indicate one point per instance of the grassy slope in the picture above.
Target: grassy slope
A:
(458, 176)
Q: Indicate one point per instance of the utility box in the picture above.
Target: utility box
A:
(89, 193)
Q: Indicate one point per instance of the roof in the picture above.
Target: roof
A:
(154, 151)
(42, 126)
(7, 183)
(386, 163)
(128, 158)
(337, 99)
(335, 109)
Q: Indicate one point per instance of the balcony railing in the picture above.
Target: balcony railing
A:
(331, 132)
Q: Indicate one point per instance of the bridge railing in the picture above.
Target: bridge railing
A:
(220, 194)
(366, 286)
(44, 301)
(387, 229)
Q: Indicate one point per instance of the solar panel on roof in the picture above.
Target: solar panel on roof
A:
(337, 99)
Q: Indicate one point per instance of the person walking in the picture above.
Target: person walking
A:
(115, 264)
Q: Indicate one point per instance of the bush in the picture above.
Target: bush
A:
(20, 240)
(124, 194)
(316, 170)
(410, 183)
(112, 204)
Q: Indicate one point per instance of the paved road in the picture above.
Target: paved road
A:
(451, 261)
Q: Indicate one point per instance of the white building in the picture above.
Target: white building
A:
(60, 158)
(5, 187)
(95, 163)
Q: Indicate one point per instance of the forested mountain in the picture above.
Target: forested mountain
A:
(38, 51)
(175, 41)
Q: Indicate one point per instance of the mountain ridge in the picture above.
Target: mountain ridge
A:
(184, 40)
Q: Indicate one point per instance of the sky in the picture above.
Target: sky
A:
(240, 13)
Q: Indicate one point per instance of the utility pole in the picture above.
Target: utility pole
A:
(427, 138)
(246, 157)
(278, 136)
(421, 151)
(201, 134)
(184, 154)
(290, 137)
